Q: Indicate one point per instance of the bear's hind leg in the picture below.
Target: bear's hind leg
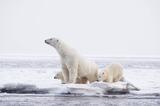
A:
(118, 78)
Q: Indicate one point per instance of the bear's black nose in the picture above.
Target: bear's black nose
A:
(46, 42)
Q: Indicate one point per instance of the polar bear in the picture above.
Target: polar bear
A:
(73, 65)
(59, 76)
(112, 73)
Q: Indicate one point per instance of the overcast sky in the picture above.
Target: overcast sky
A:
(93, 27)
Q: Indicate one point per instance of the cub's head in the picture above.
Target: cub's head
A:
(101, 75)
(58, 76)
(53, 41)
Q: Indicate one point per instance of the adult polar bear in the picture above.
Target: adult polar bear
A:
(73, 65)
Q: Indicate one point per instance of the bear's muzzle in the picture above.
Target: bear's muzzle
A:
(46, 42)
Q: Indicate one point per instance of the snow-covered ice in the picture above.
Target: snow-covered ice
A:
(144, 73)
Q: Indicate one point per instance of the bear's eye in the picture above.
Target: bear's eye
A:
(57, 40)
(103, 73)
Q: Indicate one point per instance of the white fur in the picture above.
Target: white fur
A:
(59, 76)
(82, 80)
(73, 65)
(112, 73)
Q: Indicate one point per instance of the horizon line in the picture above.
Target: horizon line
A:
(87, 55)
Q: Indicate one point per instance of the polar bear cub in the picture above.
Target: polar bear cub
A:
(59, 76)
(73, 65)
(112, 73)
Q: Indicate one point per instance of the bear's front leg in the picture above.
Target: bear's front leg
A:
(73, 76)
(110, 79)
(65, 73)
(73, 73)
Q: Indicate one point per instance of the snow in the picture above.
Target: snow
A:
(40, 71)
(38, 77)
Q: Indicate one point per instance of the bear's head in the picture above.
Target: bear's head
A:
(58, 76)
(101, 75)
(53, 42)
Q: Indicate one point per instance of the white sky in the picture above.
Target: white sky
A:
(97, 27)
